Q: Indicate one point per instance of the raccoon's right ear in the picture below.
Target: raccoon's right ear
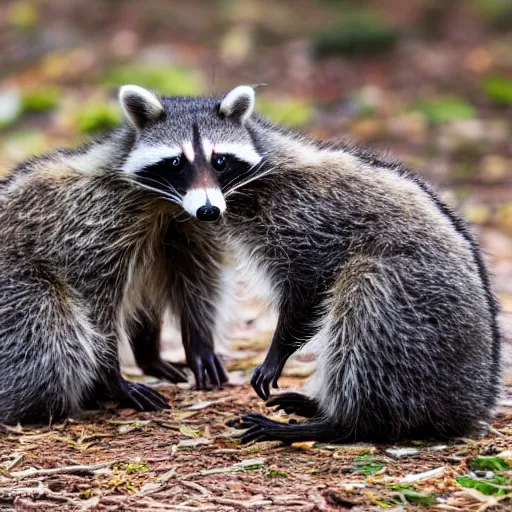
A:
(238, 104)
(140, 106)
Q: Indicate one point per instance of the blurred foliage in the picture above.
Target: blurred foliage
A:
(291, 112)
(497, 12)
(23, 143)
(171, 81)
(444, 109)
(40, 100)
(498, 89)
(357, 33)
(23, 15)
(97, 117)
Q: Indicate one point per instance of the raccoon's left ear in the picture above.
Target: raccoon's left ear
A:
(238, 104)
(140, 106)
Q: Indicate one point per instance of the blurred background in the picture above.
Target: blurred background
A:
(428, 80)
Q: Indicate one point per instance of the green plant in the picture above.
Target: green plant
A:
(444, 109)
(498, 89)
(172, 81)
(97, 117)
(357, 33)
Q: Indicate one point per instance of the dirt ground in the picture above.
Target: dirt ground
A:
(187, 459)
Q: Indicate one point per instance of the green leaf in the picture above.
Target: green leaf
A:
(367, 464)
(418, 497)
(274, 472)
(487, 487)
(498, 89)
(481, 463)
(442, 110)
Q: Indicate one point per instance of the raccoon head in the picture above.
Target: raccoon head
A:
(192, 151)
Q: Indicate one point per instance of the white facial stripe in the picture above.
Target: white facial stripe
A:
(143, 156)
(197, 197)
(188, 151)
(207, 149)
(244, 152)
(193, 200)
(216, 198)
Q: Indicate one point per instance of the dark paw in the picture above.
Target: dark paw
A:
(294, 403)
(208, 369)
(257, 427)
(263, 377)
(165, 370)
(142, 398)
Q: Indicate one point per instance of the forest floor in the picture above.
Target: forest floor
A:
(188, 459)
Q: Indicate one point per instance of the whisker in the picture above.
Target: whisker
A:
(168, 192)
(240, 176)
(253, 178)
(168, 197)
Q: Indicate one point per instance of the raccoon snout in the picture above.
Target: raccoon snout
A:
(206, 204)
(208, 213)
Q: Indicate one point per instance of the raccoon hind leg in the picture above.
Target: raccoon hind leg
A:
(145, 341)
(48, 357)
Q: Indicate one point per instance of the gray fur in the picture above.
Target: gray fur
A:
(363, 261)
(87, 252)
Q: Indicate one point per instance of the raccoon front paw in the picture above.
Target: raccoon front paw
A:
(264, 376)
(140, 397)
(208, 369)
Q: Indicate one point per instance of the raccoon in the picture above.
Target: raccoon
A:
(365, 263)
(83, 259)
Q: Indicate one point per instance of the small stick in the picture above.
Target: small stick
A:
(61, 470)
(203, 490)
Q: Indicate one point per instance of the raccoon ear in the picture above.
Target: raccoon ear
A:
(140, 106)
(238, 104)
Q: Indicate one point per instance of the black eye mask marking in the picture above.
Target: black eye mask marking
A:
(167, 175)
(230, 170)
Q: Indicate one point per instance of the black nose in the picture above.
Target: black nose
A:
(208, 213)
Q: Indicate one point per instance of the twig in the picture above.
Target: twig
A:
(240, 466)
(61, 470)
(34, 492)
(203, 490)
(14, 463)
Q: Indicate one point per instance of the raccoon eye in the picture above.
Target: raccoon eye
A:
(219, 162)
(177, 163)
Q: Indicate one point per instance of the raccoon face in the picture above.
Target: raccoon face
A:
(191, 151)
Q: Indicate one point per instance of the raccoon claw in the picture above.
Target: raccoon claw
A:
(165, 370)
(142, 398)
(263, 378)
(294, 403)
(257, 427)
(208, 370)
